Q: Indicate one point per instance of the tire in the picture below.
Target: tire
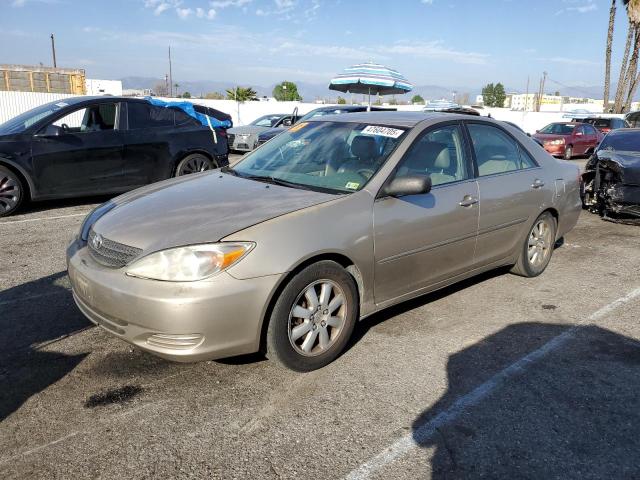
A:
(12, 192)
(568, 152)
(538, 241)
(194, 163)
(299, 323)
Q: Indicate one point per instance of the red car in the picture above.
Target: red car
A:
(568, 139)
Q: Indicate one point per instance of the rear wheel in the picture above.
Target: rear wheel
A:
(538, 247)
(194, 163)
(11, 192)
(568, 152)
(313, 318)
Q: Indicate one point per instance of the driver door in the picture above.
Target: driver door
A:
(80, 153)
(427, 239)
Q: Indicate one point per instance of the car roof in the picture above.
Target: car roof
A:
(624, 131)
(391, 118)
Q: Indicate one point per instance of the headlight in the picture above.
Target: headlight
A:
(92, 218)
(559, 141)
(191, 263)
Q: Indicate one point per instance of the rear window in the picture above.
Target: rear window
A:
(144, 115)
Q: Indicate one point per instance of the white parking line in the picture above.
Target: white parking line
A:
(26, 220)
(423, 432)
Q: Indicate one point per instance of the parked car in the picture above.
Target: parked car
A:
(281, 253)
(320, 112)
(604, 124)
(101, 145)
(245, 139)
(568, 139)
(612, 177)
(633, 119)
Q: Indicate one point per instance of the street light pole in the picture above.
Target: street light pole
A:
(53, 51)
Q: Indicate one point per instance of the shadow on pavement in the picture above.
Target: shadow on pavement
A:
(575, 413)
(32, 315)
(32, 207)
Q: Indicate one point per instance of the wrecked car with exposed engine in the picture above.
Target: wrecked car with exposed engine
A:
(611, 181)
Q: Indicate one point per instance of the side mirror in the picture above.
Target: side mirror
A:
(537, 131)
(287, 123)
(408, 185)
(50, 131)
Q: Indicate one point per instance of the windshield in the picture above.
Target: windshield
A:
(266, 120)
(559, 128)
(621, 142)
(322, 113)
(335, 157)
(25, 120)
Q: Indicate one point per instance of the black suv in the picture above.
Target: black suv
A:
(102, 145)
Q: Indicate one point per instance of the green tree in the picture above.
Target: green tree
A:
(499, 95)
(241, 94)
(341, 101)
(488, 97)
(214, 96)
(186, 95)
(417, 100)
(286, 92)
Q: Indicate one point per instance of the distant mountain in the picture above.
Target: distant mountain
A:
(313, 91)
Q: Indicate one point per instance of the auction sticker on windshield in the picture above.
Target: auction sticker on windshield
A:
(383, 131)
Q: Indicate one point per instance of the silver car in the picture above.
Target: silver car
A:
(245, 138)
(326, 224)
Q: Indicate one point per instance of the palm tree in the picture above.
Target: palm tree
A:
(241, 94)
(607, 61)
(627, 80)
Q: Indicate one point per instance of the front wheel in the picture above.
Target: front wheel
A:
(194, 163)
(313, 318)
(538, 247)
(11, 192)
(568, 153)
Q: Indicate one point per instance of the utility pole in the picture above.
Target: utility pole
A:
(526, 97)
(170, 75)
(53, 51)
(166, 83)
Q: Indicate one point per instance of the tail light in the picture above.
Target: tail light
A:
(605, 130)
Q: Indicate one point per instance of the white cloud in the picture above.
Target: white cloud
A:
(184, 13)
(427, 2)
(282, 4)
(229, 3)
(578, 6)
(208, 14)
(435, 49)
(571, 61)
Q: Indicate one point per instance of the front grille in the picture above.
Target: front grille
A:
(109, 253)
(232, 138)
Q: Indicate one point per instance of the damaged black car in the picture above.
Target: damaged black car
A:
(611, 181)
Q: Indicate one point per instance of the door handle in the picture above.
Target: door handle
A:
(537, 183)
(468, 201)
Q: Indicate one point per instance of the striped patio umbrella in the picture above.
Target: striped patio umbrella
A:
(368, 78)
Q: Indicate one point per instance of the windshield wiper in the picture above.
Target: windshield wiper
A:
(284, 183)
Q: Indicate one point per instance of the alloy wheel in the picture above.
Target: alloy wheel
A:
(9, 193)
(317, 317)
(540, 243)
(195, 164)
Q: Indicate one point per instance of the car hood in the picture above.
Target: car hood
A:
(549, 136)
(250, 129)
(199, 208)
(626, 164)
(272, 132)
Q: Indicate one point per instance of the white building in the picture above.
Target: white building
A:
(103, 87)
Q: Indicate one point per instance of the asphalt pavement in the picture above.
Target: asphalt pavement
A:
(497, 377)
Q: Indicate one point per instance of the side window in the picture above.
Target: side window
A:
(589, 130)
(144, 115)
(182, 119)
(496, 152)
(94, 118)
(438, 153)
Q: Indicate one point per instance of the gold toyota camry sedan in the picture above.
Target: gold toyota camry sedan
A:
(324, 225)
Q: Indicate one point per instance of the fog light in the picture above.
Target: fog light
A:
(175, 342)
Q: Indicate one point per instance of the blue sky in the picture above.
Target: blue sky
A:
(433, 42)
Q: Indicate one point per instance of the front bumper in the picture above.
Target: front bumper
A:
(555, 150)
(242, 143)
(186, 321)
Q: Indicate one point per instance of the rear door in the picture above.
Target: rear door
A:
(423, 240)
(512, 188)
(148, 152)
(87, 155)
